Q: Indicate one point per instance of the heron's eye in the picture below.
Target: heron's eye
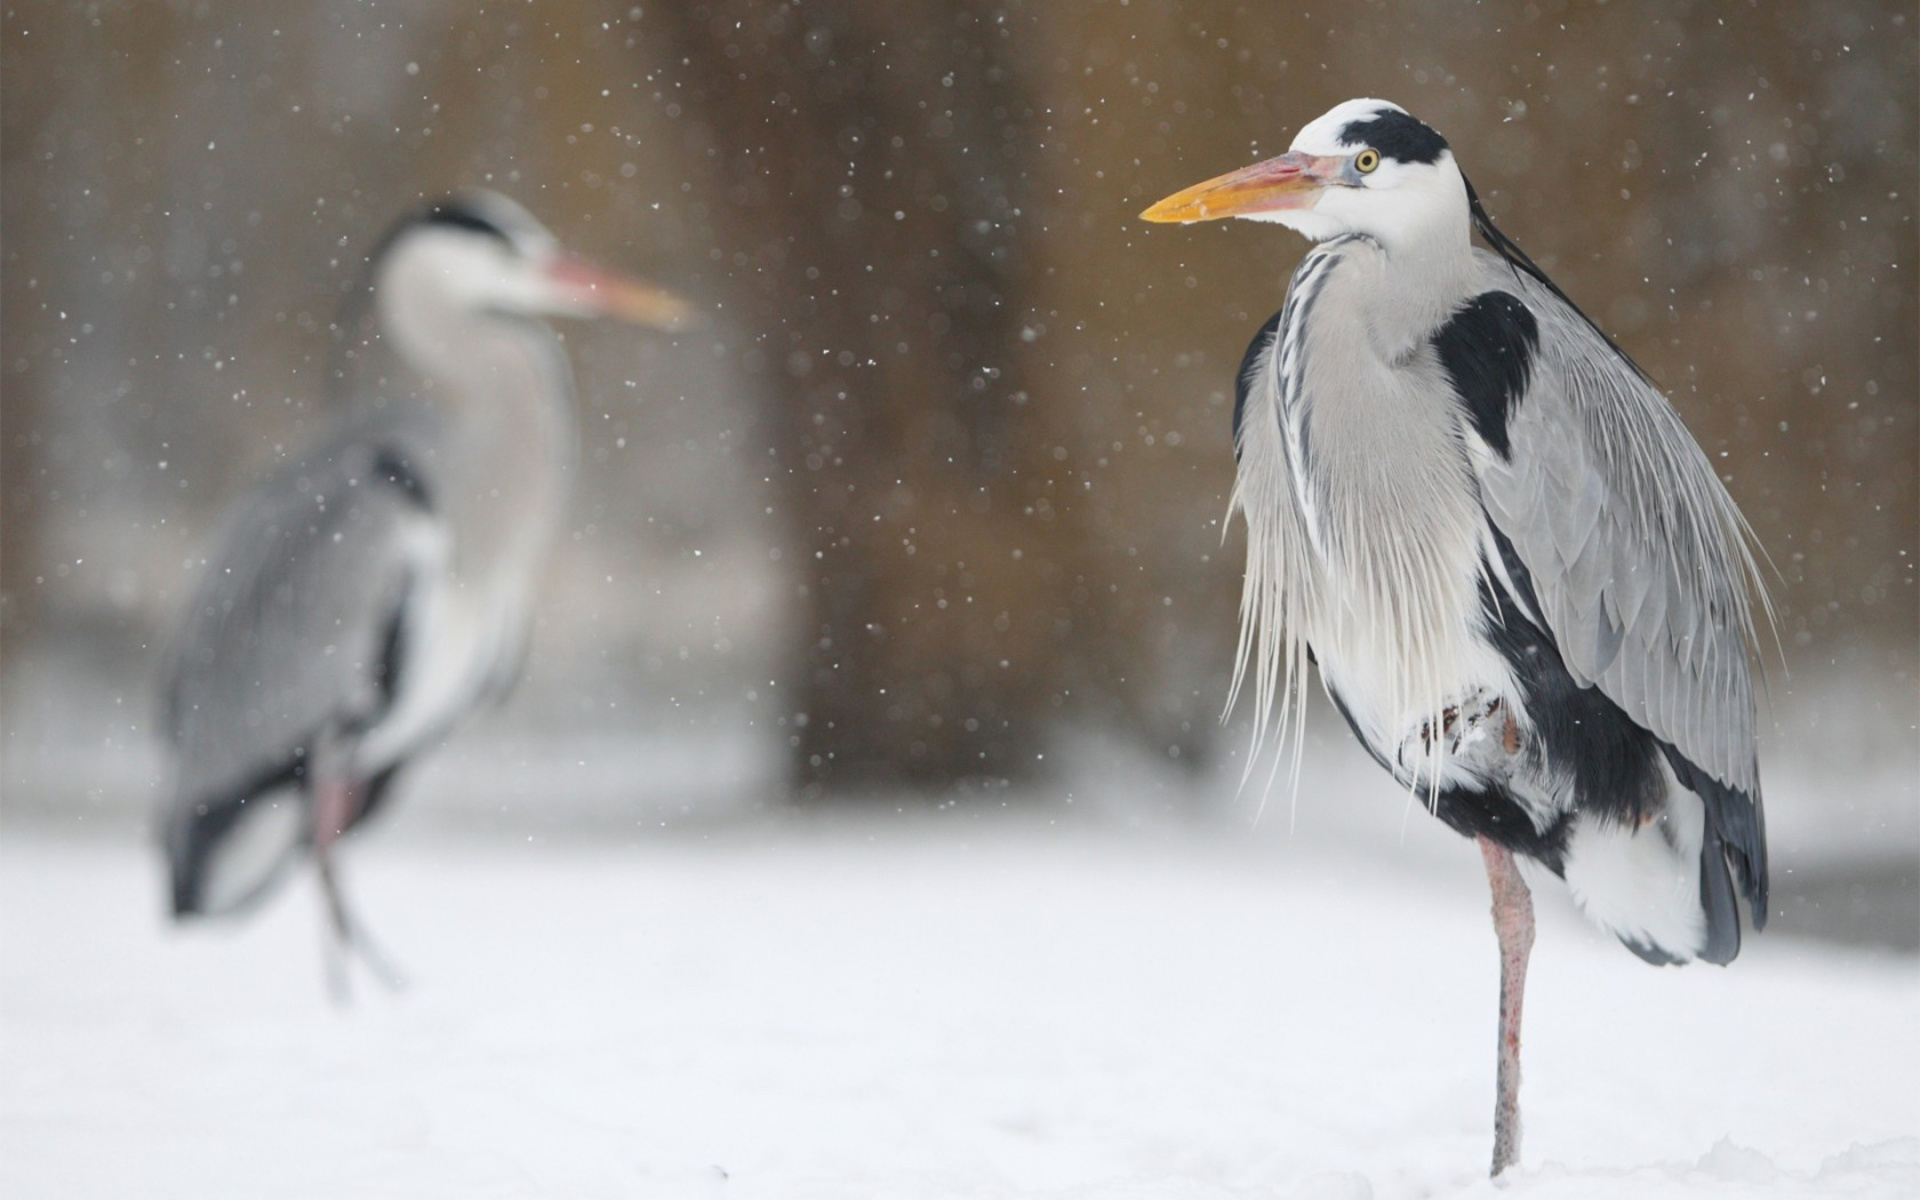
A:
(1365, 161)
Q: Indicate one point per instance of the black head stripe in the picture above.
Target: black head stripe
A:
(454, 214)
(445, 214)
(1397, 136)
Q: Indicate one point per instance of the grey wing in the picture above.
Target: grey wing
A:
(1638, 556)
(296, 626)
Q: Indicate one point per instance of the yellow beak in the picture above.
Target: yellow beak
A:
(1290, 181)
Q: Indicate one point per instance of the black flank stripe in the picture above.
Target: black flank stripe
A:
(1613, 761)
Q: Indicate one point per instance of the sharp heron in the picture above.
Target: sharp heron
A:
(368, 595)
(1524, 586)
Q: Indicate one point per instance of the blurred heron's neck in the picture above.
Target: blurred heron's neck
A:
(503, 396)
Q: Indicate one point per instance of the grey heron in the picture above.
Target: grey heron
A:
(1523, 584)
(370, 593)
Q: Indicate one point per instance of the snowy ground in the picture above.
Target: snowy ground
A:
(1111, 998)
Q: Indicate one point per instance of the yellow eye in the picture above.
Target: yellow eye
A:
(1365, 161)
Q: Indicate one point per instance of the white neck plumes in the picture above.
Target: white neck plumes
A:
(1341, 426)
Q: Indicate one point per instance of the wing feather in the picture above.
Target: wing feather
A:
(1638, 555)
(289, 630)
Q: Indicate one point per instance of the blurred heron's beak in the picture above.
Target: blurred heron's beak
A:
(595, 291)
(1290, 181)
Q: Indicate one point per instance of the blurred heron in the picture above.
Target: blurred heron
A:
(368, 595)
(1524, 586)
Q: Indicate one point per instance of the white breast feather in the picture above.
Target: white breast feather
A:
(1362, 542)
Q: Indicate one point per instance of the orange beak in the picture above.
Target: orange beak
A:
(1290, 181)
(603, 293)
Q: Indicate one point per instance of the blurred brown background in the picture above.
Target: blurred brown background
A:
(947, 474)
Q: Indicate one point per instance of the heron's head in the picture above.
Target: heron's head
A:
(479, 252)
(1366, 167)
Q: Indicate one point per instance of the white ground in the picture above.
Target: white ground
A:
(1090, 1000)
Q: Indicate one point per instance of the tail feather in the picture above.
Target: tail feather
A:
(1716, 900)
(1669, 889)
(1738, 826)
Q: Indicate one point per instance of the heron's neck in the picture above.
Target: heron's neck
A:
(1422, 282)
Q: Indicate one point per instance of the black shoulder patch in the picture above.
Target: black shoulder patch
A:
(1397, 136)
(1487, 350)
(1242, 379)
(391, 467)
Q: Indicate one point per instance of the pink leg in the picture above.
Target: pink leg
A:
(336, 803)
(1513, 926)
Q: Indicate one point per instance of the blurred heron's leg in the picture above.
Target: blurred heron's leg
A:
(333, 940)
(1513, 926)
(336, 802)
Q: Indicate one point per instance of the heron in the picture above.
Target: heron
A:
(372, 592)
(1520, 579)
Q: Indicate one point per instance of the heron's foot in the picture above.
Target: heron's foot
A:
(354, 943)
(1479, 728)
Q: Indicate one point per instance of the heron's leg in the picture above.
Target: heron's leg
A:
(336, 802)
(1513, 926)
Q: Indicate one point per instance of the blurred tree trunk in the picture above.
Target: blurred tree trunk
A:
(27, 113)
(77, 97)
(870, 164)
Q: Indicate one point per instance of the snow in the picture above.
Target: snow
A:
(1052, 1000)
